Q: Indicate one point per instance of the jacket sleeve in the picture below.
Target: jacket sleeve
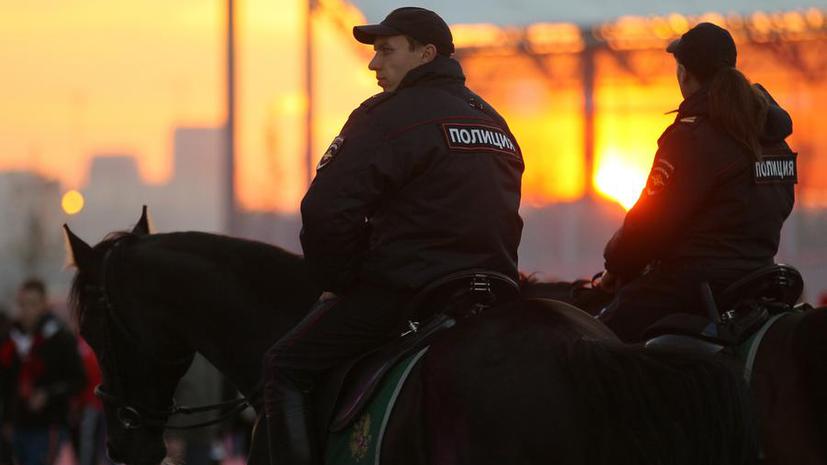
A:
(72, 377)
(675, 189)
(343, 196)
(9, 368)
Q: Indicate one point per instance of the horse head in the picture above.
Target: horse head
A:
(140, 368)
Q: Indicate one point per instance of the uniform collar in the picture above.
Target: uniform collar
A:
(696, 104)
(442, 70)
(777, 126)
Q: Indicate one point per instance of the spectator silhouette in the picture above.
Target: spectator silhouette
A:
(42, 370)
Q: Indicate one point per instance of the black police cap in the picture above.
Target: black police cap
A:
(705, 49)
(423, 25)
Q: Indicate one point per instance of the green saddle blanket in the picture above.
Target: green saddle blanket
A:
(361, 442)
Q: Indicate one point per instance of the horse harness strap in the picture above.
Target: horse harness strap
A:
(754, 343)
(132, 418)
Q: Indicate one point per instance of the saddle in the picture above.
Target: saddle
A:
(747, 305)
(346, 391)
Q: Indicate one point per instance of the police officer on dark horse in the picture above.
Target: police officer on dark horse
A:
(422, 181)
(714, 204)
(709, 222)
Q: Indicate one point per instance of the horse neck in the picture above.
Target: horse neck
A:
(229, 299)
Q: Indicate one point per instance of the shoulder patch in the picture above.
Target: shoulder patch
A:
(659, 177)
(478, 137)
(331, 152)
(776, 169)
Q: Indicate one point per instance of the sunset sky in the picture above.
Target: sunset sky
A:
(87, 77)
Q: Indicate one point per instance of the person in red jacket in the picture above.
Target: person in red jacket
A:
(41, 371)
(5, 435)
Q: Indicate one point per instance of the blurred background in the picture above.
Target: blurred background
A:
(214, 113)
(109, 105)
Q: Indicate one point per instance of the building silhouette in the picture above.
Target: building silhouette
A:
(30, 241)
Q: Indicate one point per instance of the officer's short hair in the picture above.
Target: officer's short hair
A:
(413, 44)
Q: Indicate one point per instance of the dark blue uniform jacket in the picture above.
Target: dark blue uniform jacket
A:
(420, 182)
(708, 204)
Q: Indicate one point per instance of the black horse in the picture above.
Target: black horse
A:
(528, 382)
(788, 380)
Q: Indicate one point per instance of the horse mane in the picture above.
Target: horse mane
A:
(263, 260)
(77, 298)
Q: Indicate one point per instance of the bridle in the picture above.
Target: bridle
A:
(134, 416)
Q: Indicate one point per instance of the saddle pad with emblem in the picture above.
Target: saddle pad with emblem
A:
(361, 442)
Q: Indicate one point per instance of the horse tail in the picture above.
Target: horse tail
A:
(663, 407)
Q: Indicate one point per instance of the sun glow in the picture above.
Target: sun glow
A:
(72, 202)
(619, 180)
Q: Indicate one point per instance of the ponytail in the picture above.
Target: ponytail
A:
(738, 108)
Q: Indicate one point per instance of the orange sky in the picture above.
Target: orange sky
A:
(101, 76)
(88, 77)
(92, 76)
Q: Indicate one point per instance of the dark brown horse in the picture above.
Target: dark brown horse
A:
(788, 382)
(528, 382)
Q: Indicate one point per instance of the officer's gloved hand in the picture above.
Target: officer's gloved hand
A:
(327, 295)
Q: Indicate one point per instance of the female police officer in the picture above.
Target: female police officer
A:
(718, 192)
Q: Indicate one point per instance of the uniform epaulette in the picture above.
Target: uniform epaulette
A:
(686, 125)
(375, 101)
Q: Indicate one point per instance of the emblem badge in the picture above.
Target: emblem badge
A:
(659, 177)
(360, 438)
(331, 152)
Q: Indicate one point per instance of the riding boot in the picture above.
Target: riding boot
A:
(292, 437)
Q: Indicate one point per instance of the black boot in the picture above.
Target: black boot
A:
(290, 428)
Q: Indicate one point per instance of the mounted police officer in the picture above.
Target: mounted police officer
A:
(719, 190)
(422, 181)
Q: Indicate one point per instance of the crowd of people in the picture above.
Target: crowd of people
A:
(47, 377)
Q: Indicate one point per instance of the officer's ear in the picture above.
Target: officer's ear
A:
(686, 81)
(428, 53)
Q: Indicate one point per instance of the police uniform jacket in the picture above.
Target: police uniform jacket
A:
(708, 204)
(421, 182)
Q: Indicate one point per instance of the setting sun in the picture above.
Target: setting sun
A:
(72, 202)
(619, 180)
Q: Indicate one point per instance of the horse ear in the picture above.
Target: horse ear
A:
(144, 225)
(78, 253)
